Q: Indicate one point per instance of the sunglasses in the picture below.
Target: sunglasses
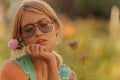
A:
(44, 26)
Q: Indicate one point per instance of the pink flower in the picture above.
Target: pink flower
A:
(13, 44)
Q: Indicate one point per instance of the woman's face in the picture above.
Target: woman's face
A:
(38, 29)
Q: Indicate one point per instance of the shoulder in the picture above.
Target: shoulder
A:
(72, 75)
(66, 73)
(11, 71)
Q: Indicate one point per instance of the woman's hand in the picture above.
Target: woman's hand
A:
(39, 51)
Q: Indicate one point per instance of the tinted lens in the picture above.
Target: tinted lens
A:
(28, 31)
(45, 26)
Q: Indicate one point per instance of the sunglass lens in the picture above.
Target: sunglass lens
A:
(28, 31)
(45, 27)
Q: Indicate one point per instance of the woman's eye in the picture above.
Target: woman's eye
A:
(29, 29)
(44, 24)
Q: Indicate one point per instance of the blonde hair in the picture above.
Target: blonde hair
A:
(36, 6)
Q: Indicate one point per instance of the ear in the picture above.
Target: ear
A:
(57, 30)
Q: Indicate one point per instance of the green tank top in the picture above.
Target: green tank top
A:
(26, 64)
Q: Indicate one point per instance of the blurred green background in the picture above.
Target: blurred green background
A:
(91, 42)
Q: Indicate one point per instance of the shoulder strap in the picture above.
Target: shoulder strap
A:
(64, 72)
(25, 63)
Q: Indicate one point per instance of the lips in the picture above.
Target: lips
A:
(41, 41)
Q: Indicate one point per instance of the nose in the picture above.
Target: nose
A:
(38, 32)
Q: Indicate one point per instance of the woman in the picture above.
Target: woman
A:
(37, 27)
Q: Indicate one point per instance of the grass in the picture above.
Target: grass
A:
(4, 52)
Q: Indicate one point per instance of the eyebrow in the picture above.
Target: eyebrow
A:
(36, 22)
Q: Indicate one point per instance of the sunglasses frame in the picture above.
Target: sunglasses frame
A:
(34, 25)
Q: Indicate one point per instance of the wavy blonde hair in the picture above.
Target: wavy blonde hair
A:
(36, 6)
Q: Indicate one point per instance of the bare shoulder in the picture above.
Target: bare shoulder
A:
(73, 75)
(11, 71)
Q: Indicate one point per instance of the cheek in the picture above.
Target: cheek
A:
(28, 41)
(52, 38)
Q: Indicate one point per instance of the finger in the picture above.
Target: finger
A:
(42, 49)
(37, 50)
(27, 50)
(32, 47)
